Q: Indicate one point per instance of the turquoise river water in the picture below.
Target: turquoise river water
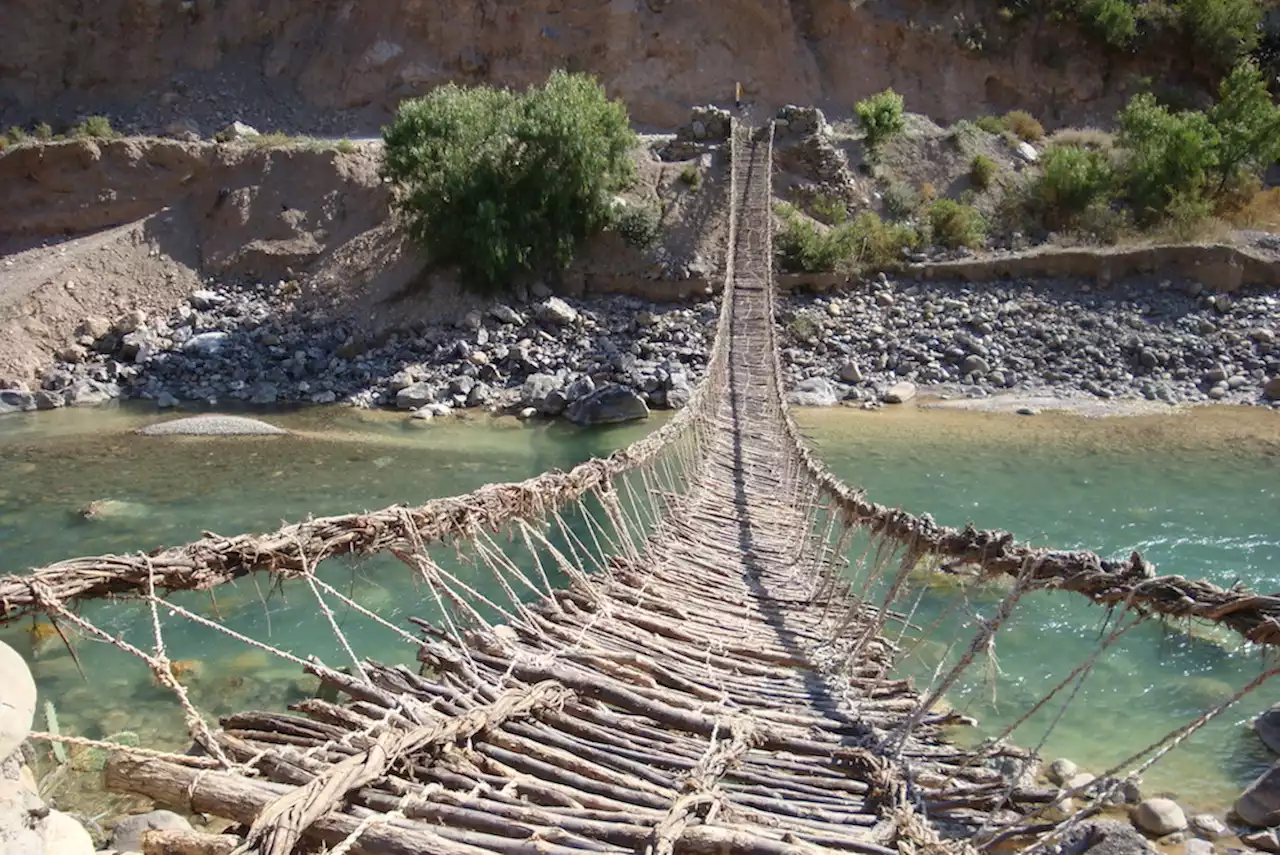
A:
(1198, 494)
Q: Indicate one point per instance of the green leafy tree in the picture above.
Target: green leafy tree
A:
(881, 116)
(1225, 30)
(500, 183)
(1169, 155)
(1114, 20)
(1074, 180)
(1247, 125)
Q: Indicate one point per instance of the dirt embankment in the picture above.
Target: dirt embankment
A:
(298, 65)
(99, 229)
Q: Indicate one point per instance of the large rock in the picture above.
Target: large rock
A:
(1271, 391)
(212, 425)
(91, 393)
(20, 824)
(416, 395)
(64, 836)
(1263, 841)
(17, 700)
(1104, 837)
(555, 311)
(815, 392)
(609, 404)
(899, 393)
(1061, 770)
(16, 401)
(536, 391)
(1259, 805)
(1159, 817)
(127, 835)
(1267, 726)
(206, 343)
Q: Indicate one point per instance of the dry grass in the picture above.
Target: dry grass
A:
(1024, 125)
(1261, 212)
(1091, 138)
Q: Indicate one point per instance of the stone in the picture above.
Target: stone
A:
(507, 315)
(212, 425)
(1026, 151)
(1264, 841)
(73, 353)
(265, 393)
(1271, 390)
(424, 414)
(416, 396)
(129, 322)
(205, 300)
(46, 400)
(16, 401)
(610, 404)
(21, 826)
(899, 393)
(974, 364)
(1104, 837)
(536, 388)
(472, 320)
(127, 834)
(814, 392)
(1267, 726)
(1061, 770)
(438, 409)
(91, 393)
(581, 387)
(94, 327)
(478, 357)
(1208, 825)
(526, 413)
(1159, 816)
(236, 131)
(17, 703)
(850, 372)
(183, 129)
(1259, 804)
(65, 836)
(166, 401)
(556, 312)
(1080, 782)
(206, 343)
(1196, 846)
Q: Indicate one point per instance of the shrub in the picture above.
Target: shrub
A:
(638, 225)
(991, 124)
(802, 327)
(901, 199)
(876, 244)
(955, 225)
(803, 246)
(1114, 20)
(828, 209)
(15, 135)
(1092, 138)
(1223, 30)
(500, 183)
(345, 146)
(43, 132)
(95, 127)
(1024, 125)
(691, 176)
(1260, 211)
(881, 117)
(982, 171)
(1074, 180)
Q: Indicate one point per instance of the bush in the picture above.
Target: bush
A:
(955, 225)
(828, 209)
(982, 171)
(500, 183)
(1223, 30)
(803, 246)
(901, 200)
(1074, 180)
(43, 132)
(691, 176)
(881, 117)
(638, 225)
(991, 124)
(1023, 125)
(1114, 20)
(15, 135)
(876, 244)
(95, 127)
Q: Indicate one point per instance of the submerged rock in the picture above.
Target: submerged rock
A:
(212, 425)
(609, 404)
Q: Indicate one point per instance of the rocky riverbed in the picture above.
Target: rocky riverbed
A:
(1160, 341)
(612, 359)
(594, 361)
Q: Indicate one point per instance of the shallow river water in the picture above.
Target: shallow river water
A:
(1198, 494)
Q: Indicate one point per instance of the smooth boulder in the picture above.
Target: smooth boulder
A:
(610, 404)
(899, 393)
(1259, 805)
(17, 701)
(815, 392)
(212, 425)
(1159, 817)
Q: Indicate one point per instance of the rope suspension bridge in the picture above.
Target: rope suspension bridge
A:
(681, 657)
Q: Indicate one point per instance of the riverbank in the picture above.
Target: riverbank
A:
(1135, 347)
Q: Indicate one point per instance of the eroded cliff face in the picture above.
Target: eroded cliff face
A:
(661, 56)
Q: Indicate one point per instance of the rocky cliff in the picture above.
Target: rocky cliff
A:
(317, 57)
